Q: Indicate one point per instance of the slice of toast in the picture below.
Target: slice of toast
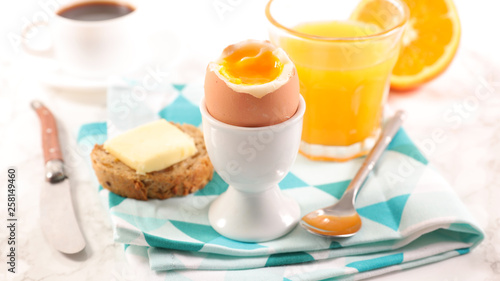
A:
(180, 179)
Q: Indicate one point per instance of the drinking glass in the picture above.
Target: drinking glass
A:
(344, 52)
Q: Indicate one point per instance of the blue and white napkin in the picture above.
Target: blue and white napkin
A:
(411, 217)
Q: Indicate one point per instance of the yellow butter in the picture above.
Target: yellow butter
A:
(151, 147)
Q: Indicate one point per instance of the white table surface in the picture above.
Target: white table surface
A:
(463, 104)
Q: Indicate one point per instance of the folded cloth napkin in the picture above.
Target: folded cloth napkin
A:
(410, 217)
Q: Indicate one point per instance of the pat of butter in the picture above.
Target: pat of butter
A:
(151, 147)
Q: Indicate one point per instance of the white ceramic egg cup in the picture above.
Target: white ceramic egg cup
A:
(253, 161)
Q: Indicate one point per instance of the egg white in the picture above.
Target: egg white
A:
(258, 90)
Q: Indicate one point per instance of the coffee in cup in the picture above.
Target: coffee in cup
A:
(94, 39)
(95, 11)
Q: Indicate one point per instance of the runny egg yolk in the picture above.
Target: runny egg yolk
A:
(251, 64)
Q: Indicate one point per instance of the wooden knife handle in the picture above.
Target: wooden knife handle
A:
(50, 137)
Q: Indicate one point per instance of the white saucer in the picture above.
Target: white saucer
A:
(160, 46)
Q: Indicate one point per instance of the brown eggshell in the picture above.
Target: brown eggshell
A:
(245, 110)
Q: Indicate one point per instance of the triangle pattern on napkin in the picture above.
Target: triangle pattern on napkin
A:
(215, 187)
(114, 199)
(402, 143)
(207, 234)
(371, 264)
(288, 258)
(388, 213)
(182, 111)
(179, 87)
(291, 181)
(335, 189)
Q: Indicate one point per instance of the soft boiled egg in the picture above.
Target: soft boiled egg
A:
(252, 84)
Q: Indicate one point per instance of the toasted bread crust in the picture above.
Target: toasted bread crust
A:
(180, 179)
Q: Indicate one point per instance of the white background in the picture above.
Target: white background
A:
(469, 157)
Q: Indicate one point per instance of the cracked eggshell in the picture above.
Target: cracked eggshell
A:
(253, 105)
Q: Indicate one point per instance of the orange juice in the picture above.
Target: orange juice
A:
(344, 76)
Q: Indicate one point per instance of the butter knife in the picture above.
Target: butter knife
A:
(57, 216)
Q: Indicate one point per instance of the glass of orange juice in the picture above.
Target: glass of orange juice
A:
(344, 52)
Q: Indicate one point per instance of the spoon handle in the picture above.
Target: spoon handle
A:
(390, 129)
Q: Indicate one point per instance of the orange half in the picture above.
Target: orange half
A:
(429, 42)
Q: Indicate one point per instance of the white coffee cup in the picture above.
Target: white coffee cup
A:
(93, 48)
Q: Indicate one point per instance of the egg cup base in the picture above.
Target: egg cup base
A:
(254, 217)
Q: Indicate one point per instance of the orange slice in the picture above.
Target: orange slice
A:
(429, 42)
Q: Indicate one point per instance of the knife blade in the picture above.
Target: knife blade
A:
(57, 216)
